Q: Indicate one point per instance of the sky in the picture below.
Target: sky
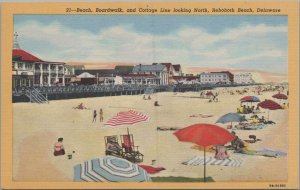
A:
(229, 42)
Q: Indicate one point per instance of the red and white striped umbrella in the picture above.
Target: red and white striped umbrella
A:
(127, 118)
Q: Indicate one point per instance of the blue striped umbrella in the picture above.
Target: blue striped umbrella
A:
(109, 168)
(231, 117)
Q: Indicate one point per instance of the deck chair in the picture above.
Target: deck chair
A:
(130, 151)
(112, 146)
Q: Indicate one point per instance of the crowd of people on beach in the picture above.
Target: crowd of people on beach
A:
(221, 152)
(243, 109)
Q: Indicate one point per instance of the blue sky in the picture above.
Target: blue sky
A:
(231, 42)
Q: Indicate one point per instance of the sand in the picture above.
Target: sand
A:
(38, 126)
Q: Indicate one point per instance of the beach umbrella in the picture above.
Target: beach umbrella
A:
(250, 99)
(280, 96)
(209, 94)
(204, 135)
(270, 105)
(231, 117)
(109, 169)
(127, 118)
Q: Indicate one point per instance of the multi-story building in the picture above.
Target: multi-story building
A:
(223, 77)
(177, 70)
(158, 70)
(29, 70)
(243, 78)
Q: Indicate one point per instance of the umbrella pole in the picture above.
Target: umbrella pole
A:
(204, 164)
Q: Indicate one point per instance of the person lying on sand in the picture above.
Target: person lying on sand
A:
(201, 115)
(80, 106)
(264, 121)
(253, 139)
(165, 128)
(156, 103)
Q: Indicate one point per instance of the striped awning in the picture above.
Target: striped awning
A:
(127, 118)
(110, 169)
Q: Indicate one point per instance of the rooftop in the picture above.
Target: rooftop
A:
(148, 68)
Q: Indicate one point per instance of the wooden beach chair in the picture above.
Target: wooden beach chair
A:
(131, 152)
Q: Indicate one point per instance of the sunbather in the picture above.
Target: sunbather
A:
(237, 143)
(59, 149)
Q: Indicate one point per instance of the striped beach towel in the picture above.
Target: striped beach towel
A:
(197, 160)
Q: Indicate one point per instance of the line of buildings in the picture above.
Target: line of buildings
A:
(29, 70)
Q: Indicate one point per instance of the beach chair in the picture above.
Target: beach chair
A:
(112, 146)
(131, 152)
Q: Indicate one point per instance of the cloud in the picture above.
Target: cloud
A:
(246, 46)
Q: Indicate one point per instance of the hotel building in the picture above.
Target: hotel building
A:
(29, 70)
(223, 77)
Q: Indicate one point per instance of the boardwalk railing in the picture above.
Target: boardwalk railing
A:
(40, 94)
(35, 96)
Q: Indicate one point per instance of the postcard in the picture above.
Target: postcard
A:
(150, 95)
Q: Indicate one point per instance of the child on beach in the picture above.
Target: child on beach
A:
(94, 116)
(101, 115)
(221, 153)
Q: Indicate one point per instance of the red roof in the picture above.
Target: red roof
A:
(25, 56)
(177, 67)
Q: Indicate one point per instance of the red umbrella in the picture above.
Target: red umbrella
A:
(209, 93)
(270, 105)
(204, 135)
(280, 96)
(250, 99)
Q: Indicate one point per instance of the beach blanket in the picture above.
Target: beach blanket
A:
(197, 160)
(274, 152)
(151, 169)
(262, 152)
(250, 126)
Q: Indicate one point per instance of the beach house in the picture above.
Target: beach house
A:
(158, 70)
(29, 70)
(177, 70)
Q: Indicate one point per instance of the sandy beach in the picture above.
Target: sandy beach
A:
(38, 126)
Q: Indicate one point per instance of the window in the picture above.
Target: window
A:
(28, 66)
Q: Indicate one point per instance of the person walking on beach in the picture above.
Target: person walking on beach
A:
(94, 116)
(101, 115)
